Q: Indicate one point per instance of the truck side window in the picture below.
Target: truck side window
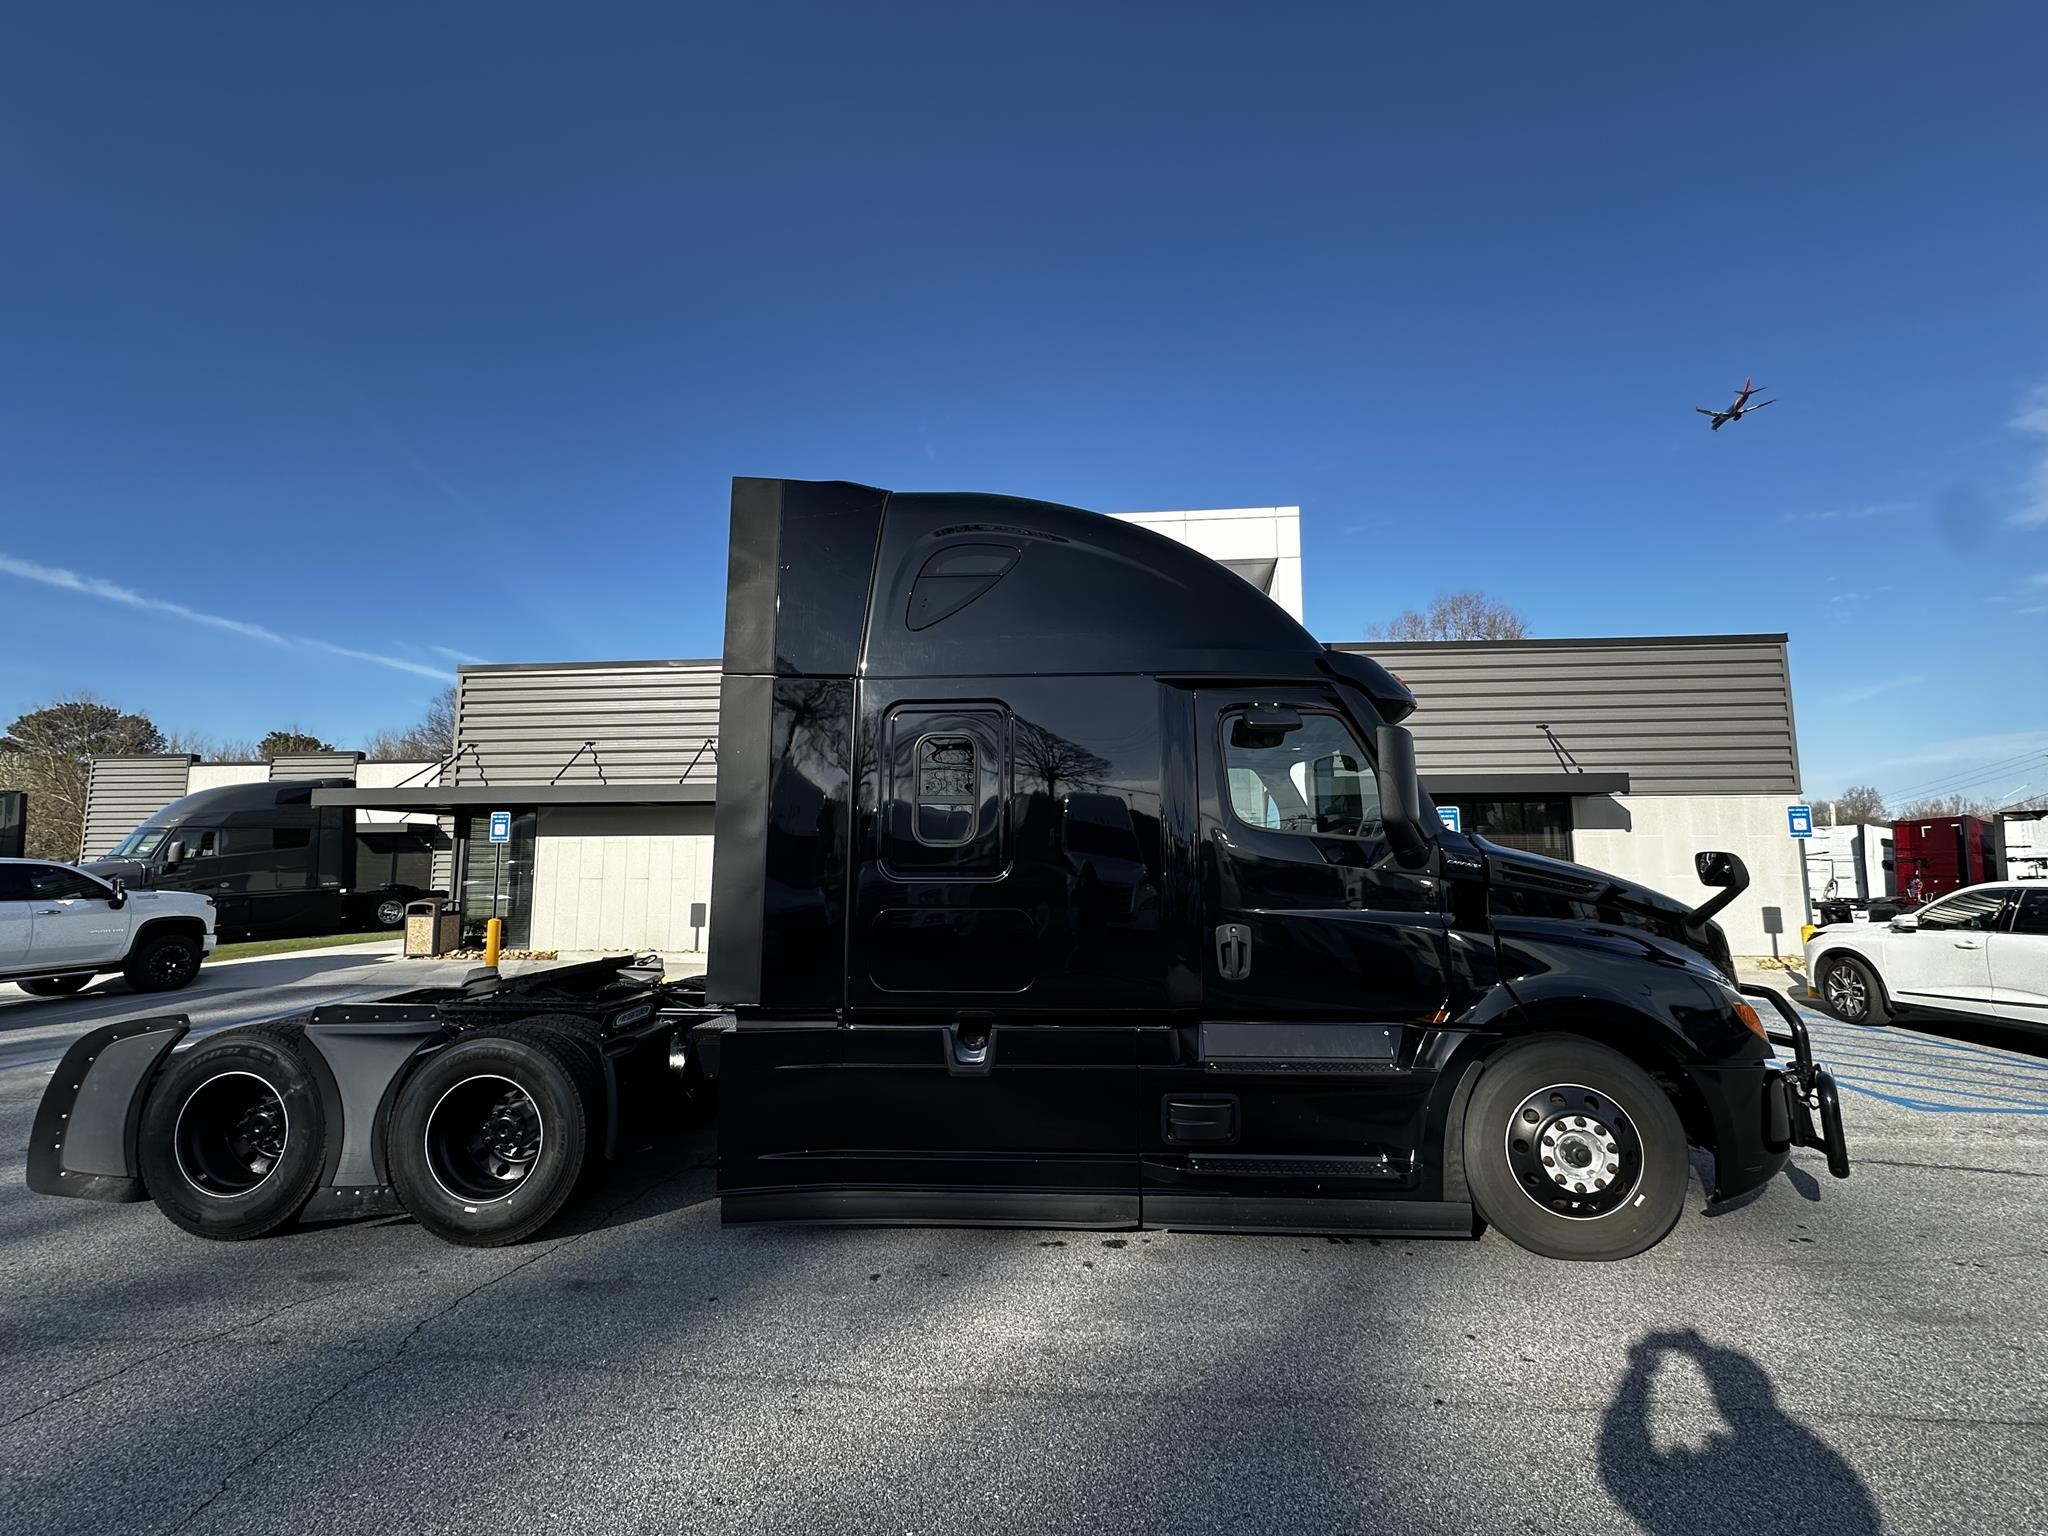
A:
(51, 882)
(1315, 781)
(945, 790)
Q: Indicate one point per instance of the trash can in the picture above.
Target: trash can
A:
(432, 927)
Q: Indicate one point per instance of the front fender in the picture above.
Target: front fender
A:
(84, 1139)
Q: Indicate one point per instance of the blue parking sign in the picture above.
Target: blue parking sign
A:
(1448, 815)
(501, 826)
(1799, 820)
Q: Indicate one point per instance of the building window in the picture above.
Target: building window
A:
(497, 880)
(1534, 826)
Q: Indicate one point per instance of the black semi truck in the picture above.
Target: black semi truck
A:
(1062, 880)
(275, 864)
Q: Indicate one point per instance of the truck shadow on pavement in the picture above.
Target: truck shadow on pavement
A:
(1764, 1473)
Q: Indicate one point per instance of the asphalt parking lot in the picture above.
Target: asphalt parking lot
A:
(1825, 1356)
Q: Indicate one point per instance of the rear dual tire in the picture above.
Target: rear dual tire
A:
(234, 1135)
(492, 1134)
(1573, 1151)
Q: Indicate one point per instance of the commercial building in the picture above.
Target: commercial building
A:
(1629, 754)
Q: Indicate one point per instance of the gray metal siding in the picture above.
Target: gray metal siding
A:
(647, 722)
(1708, 714)
(123, 792)
(315, 765)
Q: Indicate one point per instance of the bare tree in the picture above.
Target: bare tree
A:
(48, 752)
(430, 739)
(1455, 616)
(1943, 806)
(1857, 804)
(212, 749)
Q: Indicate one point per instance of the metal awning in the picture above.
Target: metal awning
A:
(453, 799)
(1521, 786)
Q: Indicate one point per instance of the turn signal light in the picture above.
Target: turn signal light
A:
(1748, 1016)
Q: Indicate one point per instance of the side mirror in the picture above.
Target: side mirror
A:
(1401, 794)
(1720, 869)
(119, 899)
(174, 855)
(1906, 922)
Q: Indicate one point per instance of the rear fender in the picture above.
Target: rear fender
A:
(361, 1053)
(84, 1139)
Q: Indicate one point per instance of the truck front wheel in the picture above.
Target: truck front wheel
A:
(233, 1135)
(1572, 1150)
(163, 962)
(489, 1138)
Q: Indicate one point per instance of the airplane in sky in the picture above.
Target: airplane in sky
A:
(1738, 410)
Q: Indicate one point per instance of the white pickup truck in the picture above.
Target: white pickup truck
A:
(60, 927)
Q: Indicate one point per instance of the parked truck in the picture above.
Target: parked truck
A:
(1939, 854)
(1062, 880)
(275, 864)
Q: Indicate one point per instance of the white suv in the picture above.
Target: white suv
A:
(60, 927)
(1982, 951)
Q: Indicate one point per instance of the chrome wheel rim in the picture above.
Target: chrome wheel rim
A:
(1574, 1151)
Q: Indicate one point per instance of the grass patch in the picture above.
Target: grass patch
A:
(286, 946)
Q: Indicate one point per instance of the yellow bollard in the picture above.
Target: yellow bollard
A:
(494, 935)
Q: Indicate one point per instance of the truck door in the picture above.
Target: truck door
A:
(1299, 1101)
(1002, 878)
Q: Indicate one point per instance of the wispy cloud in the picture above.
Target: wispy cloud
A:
(1870, 691)
(1860, 595)
(113, 592)
(1851, 514)
(452, 654)
(2032, 419)
(2040, 578)
(2032, 608)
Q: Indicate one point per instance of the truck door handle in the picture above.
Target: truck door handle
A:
(49, 911)
(1968, 944)
(1233, 951)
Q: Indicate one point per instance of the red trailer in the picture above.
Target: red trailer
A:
(1940, 854)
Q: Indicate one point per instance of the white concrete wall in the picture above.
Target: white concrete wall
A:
(620, 878)
(389, 776)
(1239, 533)
(1651, 839)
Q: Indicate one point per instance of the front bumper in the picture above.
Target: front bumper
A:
(1761, 1110)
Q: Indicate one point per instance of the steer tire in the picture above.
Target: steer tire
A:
(53, 986)
(163, 962)
(1588, 1103)
(1841, 980)
(491, 1135)
(233, 1134)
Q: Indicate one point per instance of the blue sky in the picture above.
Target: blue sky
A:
(382, 337)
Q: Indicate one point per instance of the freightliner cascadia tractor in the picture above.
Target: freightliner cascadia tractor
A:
(1061, 879)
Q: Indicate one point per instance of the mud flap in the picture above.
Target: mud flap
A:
(83, 1143)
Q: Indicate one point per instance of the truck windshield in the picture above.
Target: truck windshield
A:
(139, 844)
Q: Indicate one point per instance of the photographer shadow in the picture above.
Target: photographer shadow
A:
(1764, 1473)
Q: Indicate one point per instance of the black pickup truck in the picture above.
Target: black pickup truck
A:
(1062, 880)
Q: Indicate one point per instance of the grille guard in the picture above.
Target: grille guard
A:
(1813, 1092)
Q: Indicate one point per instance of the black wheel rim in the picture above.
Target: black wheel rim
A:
(1846, 993)
(483, 1138)
(231, 1135)
(170, 963)
(1575, 1151)
(391, 914)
